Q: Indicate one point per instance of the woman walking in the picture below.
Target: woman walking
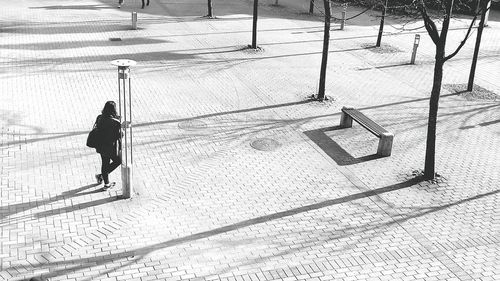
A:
(108, 124)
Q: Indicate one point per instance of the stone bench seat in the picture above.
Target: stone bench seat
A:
(385, 143)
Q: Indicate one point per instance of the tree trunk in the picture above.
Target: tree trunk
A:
(430, 152)
(484, 5)
(381, 28)
(324, 59)
(210, 11)
(254, 29)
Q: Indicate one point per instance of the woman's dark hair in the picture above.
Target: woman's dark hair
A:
(110, 109)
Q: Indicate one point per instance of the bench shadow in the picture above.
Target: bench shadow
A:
(333, 149)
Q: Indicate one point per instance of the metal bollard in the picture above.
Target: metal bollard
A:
(344, 15)
(134, 20)
(342, 23)
(415, 46)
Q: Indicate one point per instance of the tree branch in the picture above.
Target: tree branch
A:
(430, 26)
(446, 21)
(463, 41)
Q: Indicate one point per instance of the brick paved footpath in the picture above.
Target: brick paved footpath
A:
(208, 206)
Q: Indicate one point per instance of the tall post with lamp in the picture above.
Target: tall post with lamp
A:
(125, 111)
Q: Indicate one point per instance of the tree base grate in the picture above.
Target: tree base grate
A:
(477, 93)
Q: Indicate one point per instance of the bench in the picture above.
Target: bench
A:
(385, 142)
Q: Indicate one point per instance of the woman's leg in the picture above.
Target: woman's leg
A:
(105, 168)
(117, 161)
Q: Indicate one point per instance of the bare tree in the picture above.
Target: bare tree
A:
(439, 39)
(381, 27)
(326, 44)
(484, 7)
(254, 27)
(210, 9)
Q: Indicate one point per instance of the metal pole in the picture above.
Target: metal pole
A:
(126, 188)
(130, 119)
(126, 119)
(119, 94)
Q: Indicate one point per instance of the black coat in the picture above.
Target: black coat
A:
(109, 135)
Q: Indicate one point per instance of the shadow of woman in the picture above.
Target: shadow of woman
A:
(10, 210)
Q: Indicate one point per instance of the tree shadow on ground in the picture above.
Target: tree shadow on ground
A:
(360, 233)
(83, 44)
(52, 136)
(74, 7)
(60, 268)
(145, 124)
(482, 124)
(253, 109)
(172, 59)
(69, 28)
(333, 149)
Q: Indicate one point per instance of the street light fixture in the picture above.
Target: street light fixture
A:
(124, 102)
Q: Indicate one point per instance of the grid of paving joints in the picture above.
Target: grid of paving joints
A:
(214, 208)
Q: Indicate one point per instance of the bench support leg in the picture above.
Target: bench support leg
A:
(385, 144)
(345, 120)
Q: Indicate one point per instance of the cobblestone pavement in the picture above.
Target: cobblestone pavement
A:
(206, 204)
